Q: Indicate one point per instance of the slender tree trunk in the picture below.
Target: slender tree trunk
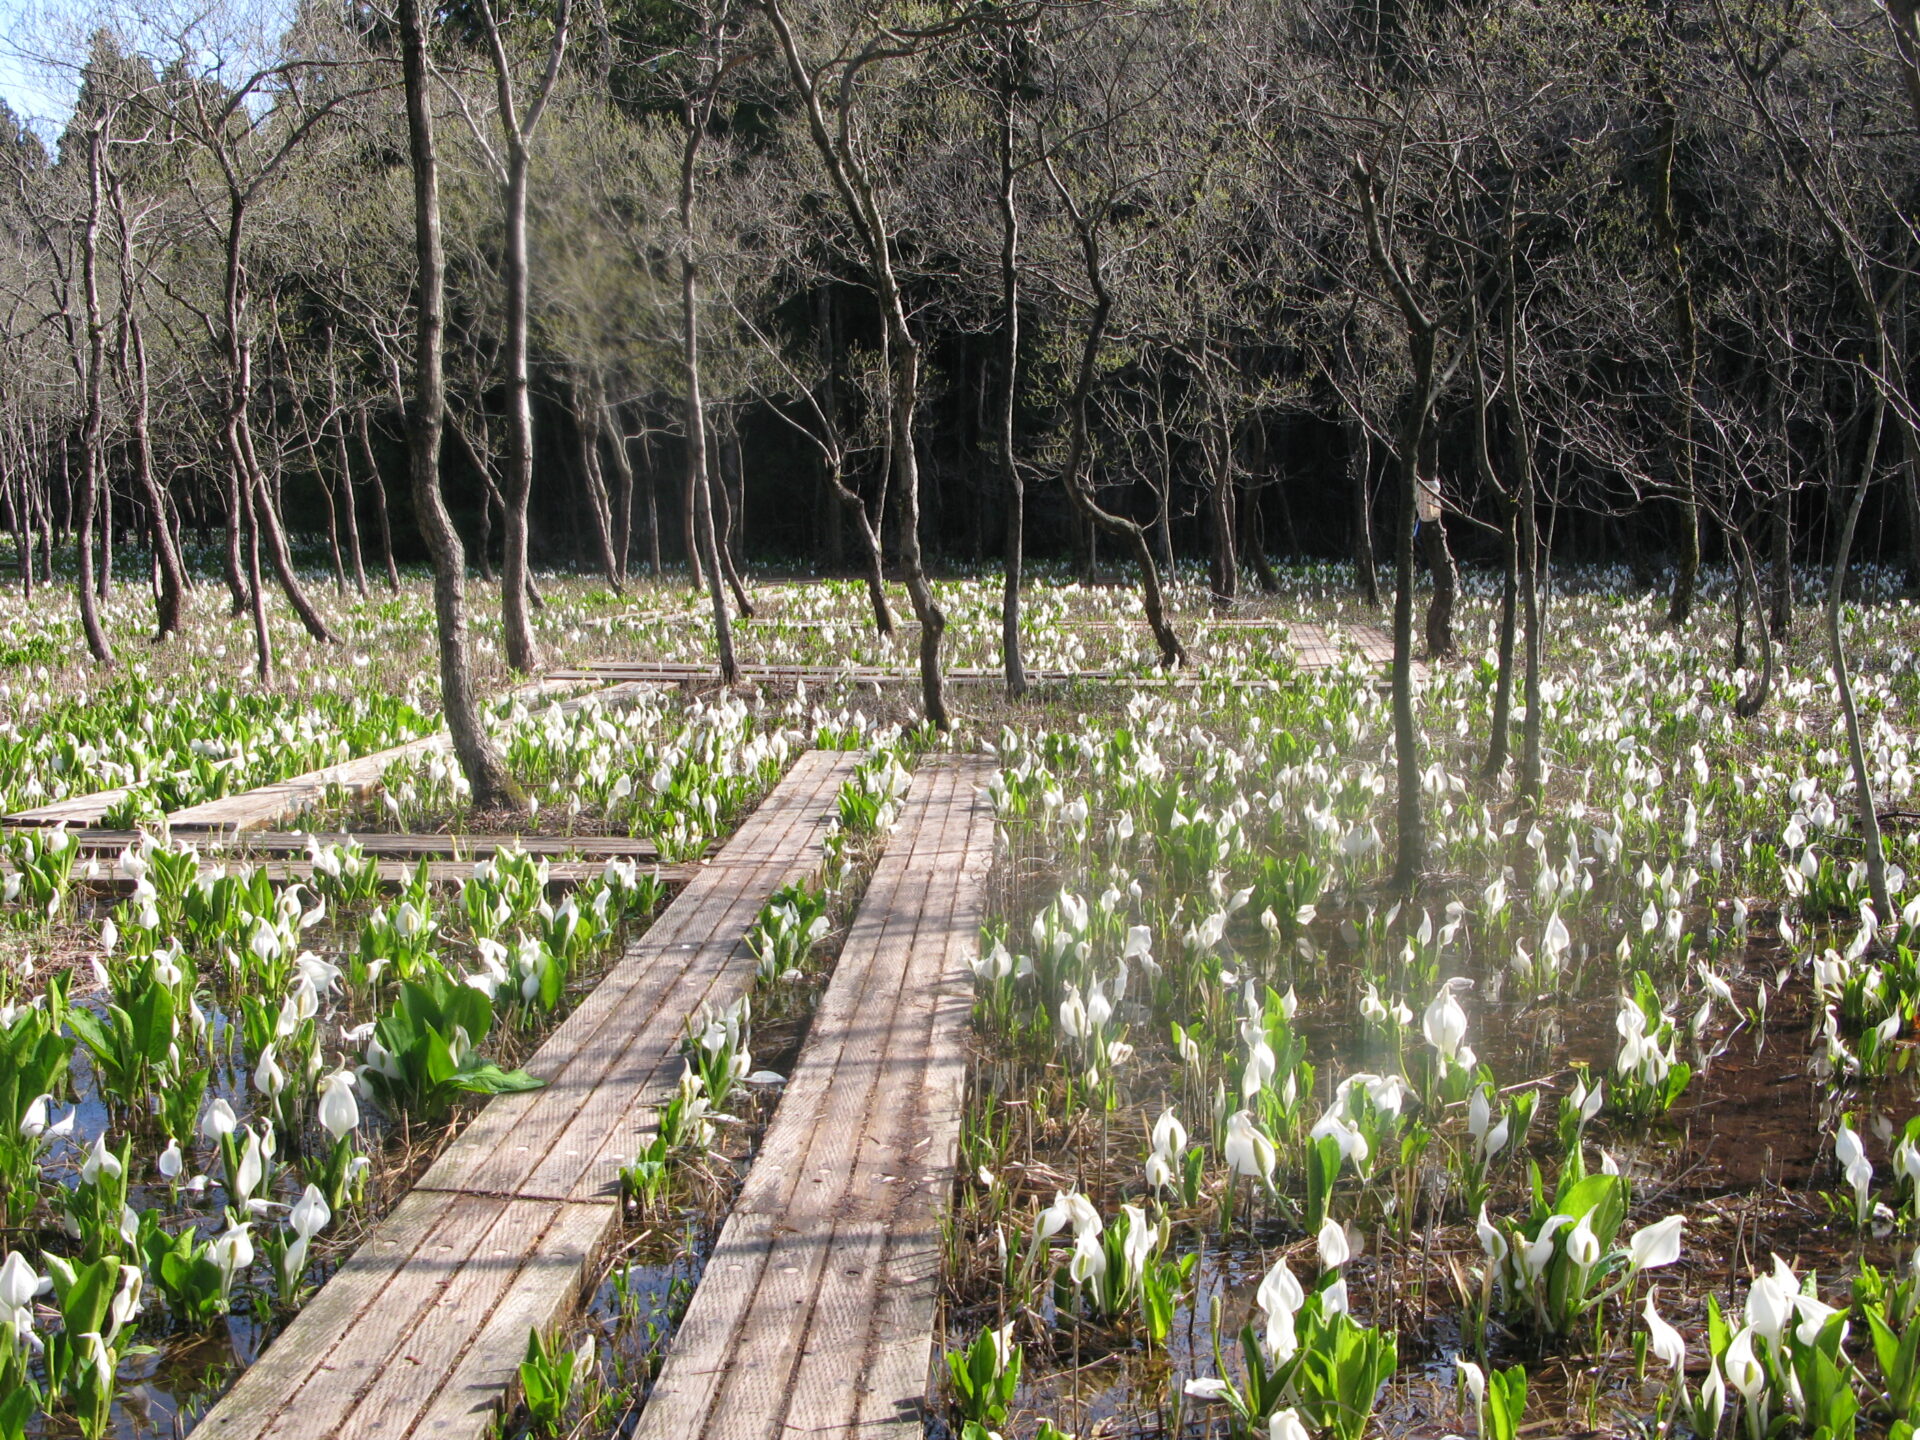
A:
(256, 590)
(1497, 738)
(1780, 534)
(379, 501)
(489, 493)
(1872, 850)
(854, 184)
(1686, 572)
(1907, 476)
(92, 435)
(1012, 658)
(1152, 599)
(522, 651)
(166, 554)
(653, 505)
(1748, 580)
(1446, 586)
(732, 504)
(333, 525)
(1359, 486)
(343, 466)
(622, 490)
(1411, 847)
(699, 477)
(105, 481)
(486, 772)
(1225, 570)
(587, 436)
(1253, 532)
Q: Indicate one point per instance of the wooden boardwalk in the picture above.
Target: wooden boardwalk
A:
(261, 844)
(421, 1332)
(267, 804)
(271, 804)
(112, 879)
(815, 1314)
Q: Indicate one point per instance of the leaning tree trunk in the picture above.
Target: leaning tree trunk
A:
(486, 772)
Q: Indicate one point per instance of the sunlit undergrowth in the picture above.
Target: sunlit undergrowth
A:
(1251, 1142)
(1246, 1135)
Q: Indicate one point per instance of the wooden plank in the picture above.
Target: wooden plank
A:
(112, 879)
(531, 1259)
(89, 809)
(422, 1330)
(356, 1292)
(816, 1311)
(546, 1288)
(615, 1058)
(74, 810)
(259, 844)
(269, 804)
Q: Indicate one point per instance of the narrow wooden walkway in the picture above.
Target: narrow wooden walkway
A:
(266, 804)
(271, 804)
(423, 1329)
(110, 878)
(259, 844)
(815, 1314)
(1313, 646)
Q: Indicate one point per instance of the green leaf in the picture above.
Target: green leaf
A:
(483, 1077)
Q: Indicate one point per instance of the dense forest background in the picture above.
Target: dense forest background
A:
(1109, 281)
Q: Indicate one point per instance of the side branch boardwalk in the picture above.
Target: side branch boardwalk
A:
(422, 1330)
(252, 809)
(815, 1314)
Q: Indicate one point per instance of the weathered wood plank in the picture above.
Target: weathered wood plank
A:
(615, 1058)
(816, 1312)
(357, 1291)
(74, 810)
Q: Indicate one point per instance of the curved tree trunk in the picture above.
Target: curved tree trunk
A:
(486, 772)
